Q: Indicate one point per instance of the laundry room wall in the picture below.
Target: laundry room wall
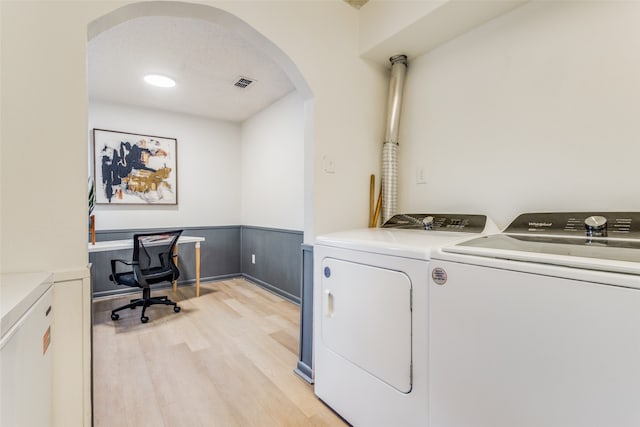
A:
(273, 196)
(46, 124)
(209, 165)
(272, 156)
(250, 173)
(536, 110)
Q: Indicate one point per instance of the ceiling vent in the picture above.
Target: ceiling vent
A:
(243, 82)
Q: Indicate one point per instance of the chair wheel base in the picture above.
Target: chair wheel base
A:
(145, 302)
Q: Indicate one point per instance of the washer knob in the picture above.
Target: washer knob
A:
(596, 225)
(427, 221)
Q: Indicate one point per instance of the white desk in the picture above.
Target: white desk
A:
(114, 245)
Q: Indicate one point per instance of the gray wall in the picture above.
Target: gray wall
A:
(305, 356)
(278, 265)
(223, 255)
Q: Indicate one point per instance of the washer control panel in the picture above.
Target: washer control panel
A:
(596, 225)
(590, 224)
(438, 222)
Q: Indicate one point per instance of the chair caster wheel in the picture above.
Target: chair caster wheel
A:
(115, 316)
(144, 319)
(176, 309)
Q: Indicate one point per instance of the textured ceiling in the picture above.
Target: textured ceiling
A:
(205, 59)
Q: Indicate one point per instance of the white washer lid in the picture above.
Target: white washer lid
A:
(415, 244)
(610, 255)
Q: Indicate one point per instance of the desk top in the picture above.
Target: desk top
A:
(114, 245)
(19, 292)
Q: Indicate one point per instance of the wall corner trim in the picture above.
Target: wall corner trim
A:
(71, 274)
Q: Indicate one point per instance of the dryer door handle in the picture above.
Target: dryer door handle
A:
(329, 303)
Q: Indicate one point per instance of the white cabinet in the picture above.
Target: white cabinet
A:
(72, 353)
(26, 349)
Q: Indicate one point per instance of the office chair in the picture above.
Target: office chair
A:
(153, 262)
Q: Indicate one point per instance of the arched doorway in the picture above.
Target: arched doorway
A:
(220, 17)
(242, 30)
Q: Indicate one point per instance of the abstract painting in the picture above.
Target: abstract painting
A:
(131, 168)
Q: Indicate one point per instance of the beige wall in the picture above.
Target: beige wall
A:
(44, 118)
(208, 155)
(43, 135)
(534, 111)
(272, 166)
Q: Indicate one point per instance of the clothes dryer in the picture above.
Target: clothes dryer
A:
(539, 325)
(370, 316)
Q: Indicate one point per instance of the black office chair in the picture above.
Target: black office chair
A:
(153, 262)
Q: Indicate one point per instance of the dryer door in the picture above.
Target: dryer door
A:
(366, 319)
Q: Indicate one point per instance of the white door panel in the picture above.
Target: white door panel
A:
(516, 349)
(366, 319)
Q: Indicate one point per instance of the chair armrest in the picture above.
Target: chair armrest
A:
(139, 276)
(114, 261)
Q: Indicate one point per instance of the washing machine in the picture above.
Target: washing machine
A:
(538, 326)
(370, 316)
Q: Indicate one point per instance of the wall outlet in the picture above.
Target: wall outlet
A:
(253, 258)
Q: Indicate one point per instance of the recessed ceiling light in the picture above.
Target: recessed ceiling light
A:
(159, 80)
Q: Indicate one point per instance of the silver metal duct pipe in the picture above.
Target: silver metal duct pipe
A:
(389, 179)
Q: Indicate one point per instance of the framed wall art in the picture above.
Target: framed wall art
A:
(132, 168)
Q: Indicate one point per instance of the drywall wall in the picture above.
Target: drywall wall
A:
(43, 137)
(411, 27)
(209, 165)
(534, 111)
(45, 126)
(344, 94)
(272, 184)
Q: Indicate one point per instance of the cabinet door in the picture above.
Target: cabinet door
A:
(366, 319)
(25, 368)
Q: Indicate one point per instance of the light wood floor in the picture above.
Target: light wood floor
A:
(226, 359)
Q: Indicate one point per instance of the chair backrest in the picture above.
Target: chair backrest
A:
(153, 256)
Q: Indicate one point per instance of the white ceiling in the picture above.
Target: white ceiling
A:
(204, 58)
(356, 3)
